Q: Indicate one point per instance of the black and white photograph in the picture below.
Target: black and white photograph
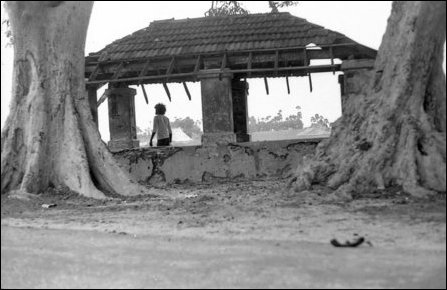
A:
(223, 144)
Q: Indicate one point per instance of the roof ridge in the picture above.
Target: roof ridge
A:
(173, 20)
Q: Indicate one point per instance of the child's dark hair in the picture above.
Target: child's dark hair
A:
(160, 109)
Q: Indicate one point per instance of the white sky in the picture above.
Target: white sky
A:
(365, 22)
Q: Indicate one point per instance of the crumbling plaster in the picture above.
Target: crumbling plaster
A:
(203, 164)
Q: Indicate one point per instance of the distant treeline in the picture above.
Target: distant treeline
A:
(278, 122)
(193, 128)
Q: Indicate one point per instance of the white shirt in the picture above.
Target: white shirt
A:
(162, 127)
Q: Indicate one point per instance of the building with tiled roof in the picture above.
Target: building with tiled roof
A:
(221, 52)
(266, 36)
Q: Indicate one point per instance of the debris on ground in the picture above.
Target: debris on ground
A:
(357, 242)
(45, 205)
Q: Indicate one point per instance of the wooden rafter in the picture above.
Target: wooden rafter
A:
(310, 82)
(116, 75)
(185, 86)
(249, 62)
(276, 62)
(224, 61)
(144, 70)
(266, 85)
(101, 100)
(95, 72)
(287, 78)
(144, 94)
(198, 64)
(168, 93)
(306, 59)
(171, 66)
(331, 52)
(223, 65)
(97, 69)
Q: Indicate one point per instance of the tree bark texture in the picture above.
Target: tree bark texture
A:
(393, 132)
(49, 138)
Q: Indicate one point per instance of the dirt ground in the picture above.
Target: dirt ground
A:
(248, 234)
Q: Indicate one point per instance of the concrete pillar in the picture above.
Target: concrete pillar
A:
(355, 80)
(217, 107)
(240, 110)
(122, 125)
(92, 99)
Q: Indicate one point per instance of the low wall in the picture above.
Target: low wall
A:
(200, 164)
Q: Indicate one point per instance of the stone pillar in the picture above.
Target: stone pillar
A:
(355, 80)
(92, 99)
(217, 107)
(122, 125)
(240, 110)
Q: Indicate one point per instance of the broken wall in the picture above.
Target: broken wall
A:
(203, 164)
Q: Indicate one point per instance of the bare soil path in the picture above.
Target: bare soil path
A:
(243, 234)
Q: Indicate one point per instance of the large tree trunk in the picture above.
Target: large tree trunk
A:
(394, 132)
(49, 138)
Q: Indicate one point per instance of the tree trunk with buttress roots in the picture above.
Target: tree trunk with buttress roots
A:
(393, 133)
(49, 138)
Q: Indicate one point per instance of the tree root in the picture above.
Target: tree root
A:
(392, 132)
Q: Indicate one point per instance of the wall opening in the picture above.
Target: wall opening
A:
(302, 114)
(185, 115)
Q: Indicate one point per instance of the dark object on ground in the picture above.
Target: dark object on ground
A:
(355, 243)
(48, 205)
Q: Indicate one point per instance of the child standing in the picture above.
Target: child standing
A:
(162, 127)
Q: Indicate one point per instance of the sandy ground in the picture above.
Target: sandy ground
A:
(241, 234)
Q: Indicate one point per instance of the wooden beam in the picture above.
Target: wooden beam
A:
(185, 86)
(223, 65)
(314, 68)
(286, 63)
(224, 61)
(171, 66)
(306, 59)
(118, 71)
(144, 70)
(236, 60)
(276, 62)
(310, 82)
(103, 98)
(162, 78)
(133, 66)
(266, 85)
(167, 91)
(331, 52)
(186, 90)
(198, 64)
(94, 73)
(144, 94)
(249, 62)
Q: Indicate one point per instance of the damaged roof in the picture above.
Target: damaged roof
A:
(221, 33)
